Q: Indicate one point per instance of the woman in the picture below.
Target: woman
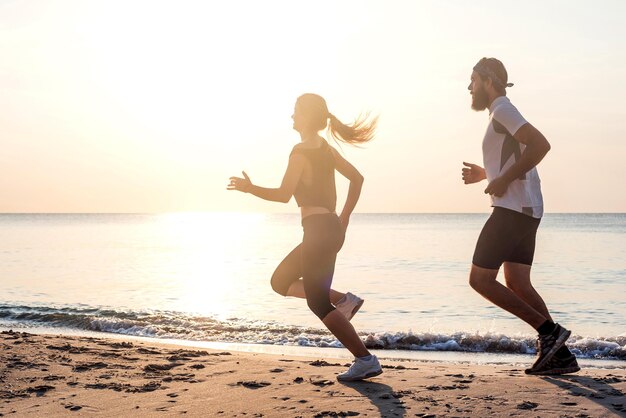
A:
(310, 178)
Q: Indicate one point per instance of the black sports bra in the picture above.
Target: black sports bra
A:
(321, 191)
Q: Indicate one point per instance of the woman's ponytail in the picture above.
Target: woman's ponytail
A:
(360, 131)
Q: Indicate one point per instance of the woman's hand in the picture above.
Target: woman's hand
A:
(240, 184)
(473, 174)
(344, 220)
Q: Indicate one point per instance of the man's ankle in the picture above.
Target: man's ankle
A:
(546, 328)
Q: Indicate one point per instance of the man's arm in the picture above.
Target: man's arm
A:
(473, 174)
(537, 146)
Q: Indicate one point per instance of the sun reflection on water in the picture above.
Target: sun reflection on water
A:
(201, 247)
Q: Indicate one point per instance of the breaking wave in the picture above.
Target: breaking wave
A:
(176, 325)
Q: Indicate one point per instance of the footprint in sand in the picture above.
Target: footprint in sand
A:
(323, 363)
(527, 405)
(155, 368)
(40, 390)
(53, 377)
(337, 414)
(73, 408)
(322, 382)
(82, 367)
(253, 384)
(197, 366)
(121, 345)
(443, 387)
(143, 350)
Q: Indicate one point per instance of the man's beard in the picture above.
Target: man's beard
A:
(480, 100)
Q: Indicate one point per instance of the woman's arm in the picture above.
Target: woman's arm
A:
(283, 193)
(354, 191)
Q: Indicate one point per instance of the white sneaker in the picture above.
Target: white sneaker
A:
(361, 369)
(349, 305)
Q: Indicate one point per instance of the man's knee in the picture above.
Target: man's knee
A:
(480, 278)
(517, 286)
(476, 282)
(517, 278)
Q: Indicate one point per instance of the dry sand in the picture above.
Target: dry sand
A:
(43, 375)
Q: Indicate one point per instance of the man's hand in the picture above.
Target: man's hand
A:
(497, 187)
(473, 174)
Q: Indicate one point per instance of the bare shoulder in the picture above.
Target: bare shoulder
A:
(296, 150)
(335, 153)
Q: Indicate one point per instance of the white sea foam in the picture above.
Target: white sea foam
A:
(172, 325)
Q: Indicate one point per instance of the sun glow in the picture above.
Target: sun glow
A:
(149, 106)
(194, 71)
(201, 246)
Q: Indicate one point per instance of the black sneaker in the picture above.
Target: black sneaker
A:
(548, 345)
(557, 366)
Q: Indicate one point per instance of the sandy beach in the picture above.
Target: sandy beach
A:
(57, 375)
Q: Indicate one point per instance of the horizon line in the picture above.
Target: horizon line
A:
(289, 213)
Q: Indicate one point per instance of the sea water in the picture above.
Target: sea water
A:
(205, 277)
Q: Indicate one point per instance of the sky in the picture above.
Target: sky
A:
(150, 106)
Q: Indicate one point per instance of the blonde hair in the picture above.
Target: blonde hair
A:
(360, 131)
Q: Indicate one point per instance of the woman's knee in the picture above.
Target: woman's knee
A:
(279, 286)
(320, 308)
(287, 272)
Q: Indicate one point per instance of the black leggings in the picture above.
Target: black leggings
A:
(314, 261)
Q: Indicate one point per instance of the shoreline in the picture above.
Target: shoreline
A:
(60, 374)
(435, 356)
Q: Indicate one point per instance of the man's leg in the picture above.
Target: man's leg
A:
(509, 236)
(484, 282)
(517, 277)
(518, 280)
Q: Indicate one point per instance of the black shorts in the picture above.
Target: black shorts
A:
(507, 236)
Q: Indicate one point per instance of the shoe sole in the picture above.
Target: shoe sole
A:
(557, 344)
(367, 376)
(555, 371)
(356, 309)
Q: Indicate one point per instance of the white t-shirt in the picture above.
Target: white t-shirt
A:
(501, 151)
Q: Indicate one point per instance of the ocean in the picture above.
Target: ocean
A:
(205, 278)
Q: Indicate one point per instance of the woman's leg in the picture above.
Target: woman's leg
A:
(318, 266)
(287, 281)
(341, 328)
(288, 272)
(297, 290)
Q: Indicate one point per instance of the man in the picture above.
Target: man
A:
(512, 148)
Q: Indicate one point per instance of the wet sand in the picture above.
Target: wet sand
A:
(48, 375)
